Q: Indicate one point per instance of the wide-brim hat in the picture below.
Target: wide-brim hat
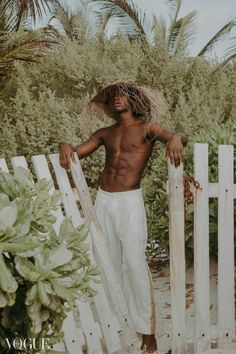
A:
(144, 102)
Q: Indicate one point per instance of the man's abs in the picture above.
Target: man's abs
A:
(123, 173)
(115, 182)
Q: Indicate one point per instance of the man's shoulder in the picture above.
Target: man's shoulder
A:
(103, 130)
(152, 129)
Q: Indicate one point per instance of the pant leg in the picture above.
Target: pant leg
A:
(104, 206)
(137, 278)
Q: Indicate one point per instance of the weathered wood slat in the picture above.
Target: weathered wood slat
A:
(19, 161)
(71, 339)
(42, 171)
(220, 351)
(213, 190)
(177, 258)
(202, 340)
(226, 310)
(3, 165)
(111, 336)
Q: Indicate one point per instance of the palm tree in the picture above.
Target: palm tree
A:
(18, 41)
(79, 25)
(175, 38)
(32, 9)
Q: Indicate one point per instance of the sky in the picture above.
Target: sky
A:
(212, 15)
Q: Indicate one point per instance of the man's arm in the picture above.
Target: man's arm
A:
(85, 149)
(174, 141)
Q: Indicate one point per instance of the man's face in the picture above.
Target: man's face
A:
(119, 103)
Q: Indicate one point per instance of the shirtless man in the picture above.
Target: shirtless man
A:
(119, 204)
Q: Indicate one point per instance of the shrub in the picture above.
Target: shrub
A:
(42, 274)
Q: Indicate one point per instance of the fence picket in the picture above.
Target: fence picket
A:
(202, 340)
(226, 310)
(3, 165)
(42, 171)
(19, 161)
(177, 258)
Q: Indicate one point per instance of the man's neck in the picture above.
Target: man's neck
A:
(127, 118)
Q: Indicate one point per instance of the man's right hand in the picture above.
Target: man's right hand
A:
(66, 153)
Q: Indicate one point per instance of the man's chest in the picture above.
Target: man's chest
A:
(126, 140)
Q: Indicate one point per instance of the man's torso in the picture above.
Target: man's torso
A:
(127, 152)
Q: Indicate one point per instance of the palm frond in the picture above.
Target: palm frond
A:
(95, 22)
(63, 14)
(98, 24)
(175, 6)
(221, 34)
(131, 20)
(105, 20)
(230, 54)
(25, 46)
(232, 48)
(182, 33)
(78, 25)
(159, 28)
(7, 20)
(32, 8)
(224, 62)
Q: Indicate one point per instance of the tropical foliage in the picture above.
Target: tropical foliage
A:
(42, 274)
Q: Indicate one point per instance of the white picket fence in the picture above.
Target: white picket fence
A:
(99, 331)
(225, 191)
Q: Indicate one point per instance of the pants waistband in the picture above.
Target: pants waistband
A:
(137, 191)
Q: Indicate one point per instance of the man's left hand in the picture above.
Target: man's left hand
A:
(175, 150)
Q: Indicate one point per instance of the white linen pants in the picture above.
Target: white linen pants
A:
(123, 220)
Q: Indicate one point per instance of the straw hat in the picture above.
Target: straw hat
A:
(145, 103)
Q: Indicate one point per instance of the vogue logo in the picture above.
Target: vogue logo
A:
(28, 343)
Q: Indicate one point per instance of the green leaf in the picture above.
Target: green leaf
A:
(4, 200)
(26, 269)
(23, 249)
(56, 198)
(24, 177)
(34, 313)
(43, 295)
(31, 295)
(7, 185)
(8, 216)
(64, 294)
(3, 299)
(60, 255)
(65, 229)
(7, 280)
(83, 230)
(11, 299)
